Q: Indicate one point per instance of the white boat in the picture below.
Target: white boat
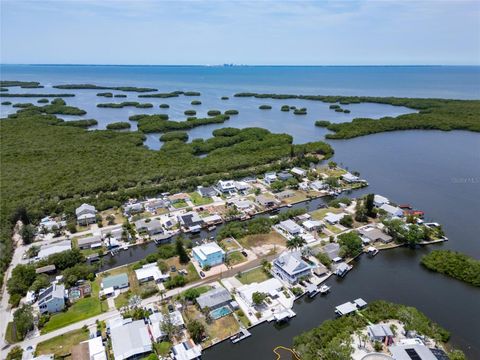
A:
(125, 247)
(243, 334)
(324, 289)
(372, 251)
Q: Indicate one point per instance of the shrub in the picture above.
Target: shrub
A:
(196, 102)
(190, 112)
(164, 106)
(302, 111)
(224, 98)
(174, 135)
(231, 112)
(322, 123)
(285, 108)
(118, 125)
(265, 107)
(43, 101)
(213, 112)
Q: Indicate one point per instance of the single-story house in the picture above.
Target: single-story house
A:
(318, 185)
(113, 232)
(270, 177)
(150, 272)
(379, 332)
(416, 351)
(285, 194)
(350, 178)
(272, 287)
(226, 187)
(45, 269)
(243, 205)
(291, 267)
(299, 172)
(212, 219)
(374, 234)
(290, 227)
(312, 225)
(52, 299)
(265, 201)
(214, 298)
(156, 320)
(86, 214)
(284, 175)
(178, 197)
(209, 254)
(47, 250)
(133, 208)
(131, 340)
(153, 205)
(190, 219)
(332, 218)
(92, 349)
(379, 200)
(48, 223)
(119, 281)
(89, 242)
(207, 191)
(332, 250)
(150, 226)
(187, 350)
(393, 211)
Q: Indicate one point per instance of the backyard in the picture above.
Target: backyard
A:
(272, 238)
(235, 258)
(62, 345)
(255, 275)
(198, 200)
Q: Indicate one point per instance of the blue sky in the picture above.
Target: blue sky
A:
(258, 32)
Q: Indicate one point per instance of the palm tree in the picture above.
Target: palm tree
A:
(296, 243)
(291, 244)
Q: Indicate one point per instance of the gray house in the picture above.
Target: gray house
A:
(86, 214)
(214, 298)
(207, 191)
(150, 226)
(52, 299)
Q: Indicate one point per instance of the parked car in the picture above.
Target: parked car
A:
(202, 274)
(244, 253)
(173, 268)
(170, 308)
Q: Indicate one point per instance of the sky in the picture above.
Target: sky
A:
(262, 32)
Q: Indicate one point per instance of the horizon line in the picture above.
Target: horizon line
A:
(245, 65)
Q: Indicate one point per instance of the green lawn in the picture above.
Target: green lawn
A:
(254, 275)
(333, 229)
(243, 319)
(319, 214)
(179, 204)
(62, 345)
(198, 200)
(235, 258)
(80, 310)
(162, 348)
(10, 335)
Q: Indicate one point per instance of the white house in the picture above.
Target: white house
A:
(133, 208)
(270, 177)
(226, 187)
(312, 225)
(242, 186)
(150, 226)
(243, 205)
(299, 172)
(392, 210)
(271, 287)
(47, 250)
(187, 350)
(86, 214)
(92, 349)
(150, 272)
(52, 299)
(350, 178)
(291, 267)
(379, 200)
(318, 185)
(130, 340)
(332, 218)
(290, 227)
(158, 318)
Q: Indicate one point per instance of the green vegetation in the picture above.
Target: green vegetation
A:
(196, 102)
(22, 84)
(15, 353)
(322, 123)
(164, 106)
(58, 107)
(43, 101)
(265, 107)
(160, 95)
(155, 117)
(163, 348)
(36, 95)
(151, 123)
(224, 98)
(301, 111)
(97, 87)
(125, 104)
(213, 112)
(22, 105)
(118, 125)
(79, 123)
(350, 244)
(454, 264)
(190, 112)
(285, 108)
(22, 321)
(6, 103)
(120, 95)
(174, 135)
(191, 93)
(433, 114)
(199, 200)
(332, 339)
(62, 345)
(231, 112)
(105, 94)
(255, 275)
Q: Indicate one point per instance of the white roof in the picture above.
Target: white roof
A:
(202, 251)
(269, 286)
(392, 210)
(187, 351)
(379, 199)
(349, 177)
(150, 271)
(290, 226)
(130, 339)
(310, 224)
(333, 218)
(298, 171)
(96, 349)
(48, 250)
(85, 208)
(242, 204)
(346, 308)
(292, 263)
(212, 218)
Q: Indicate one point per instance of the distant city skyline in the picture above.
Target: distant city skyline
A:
(147, 32)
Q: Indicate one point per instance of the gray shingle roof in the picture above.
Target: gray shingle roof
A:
(214, 298)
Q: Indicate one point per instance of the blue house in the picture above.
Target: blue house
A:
(208, 254)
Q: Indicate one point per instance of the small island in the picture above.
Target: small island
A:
(224, 98)
(231, 112)
(301, 111)
(121, 125)
(196, 102)
(164, 106)
(265, 107)
(213, 112)
(125, 104)
(98, 87)
(285, 108)
(174, 135)
(190, 112)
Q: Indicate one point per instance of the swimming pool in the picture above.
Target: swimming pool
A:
(220, 312)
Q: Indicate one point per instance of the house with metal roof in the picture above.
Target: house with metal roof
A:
(332, 218)
(265, 201)
(290, 227)
(312, 225)
(119, 281)
(206, 191)
(350, 178)
(214, 298)
(209, 254)
(157, 319)
(392, 211)
(190, 219)
(89, 242)
(291, 267)
(272, 287)
(149, 226)
(416, 351)
(92, 349)
(226, 187)
(285, 194)
(379, 332)
(52, 299)
(47, 250)
(318, 185)
(150, 272)
(187, 350)
(379, 200)
(299, 172)
(86, 214)
(270, 177)
(131, 340)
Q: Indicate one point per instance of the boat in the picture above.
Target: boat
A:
(243, 334)
(372, 251)
(289, 205)
(324, 289)
(312, 291)
(125, 247)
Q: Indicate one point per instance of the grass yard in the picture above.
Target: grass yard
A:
(10, 335)
(319, 214)
(337, 172)
(263, 239)
(243, 319)
(198, 200)
(333, 229)
(119, 218)
(229, 244)
(180, 204)
(201, 290)
(192, 273)
(80, 310)
(235, 258)
(162, 348)
(62, 344)
(222, 328)
(299, 196)
(254, 275)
